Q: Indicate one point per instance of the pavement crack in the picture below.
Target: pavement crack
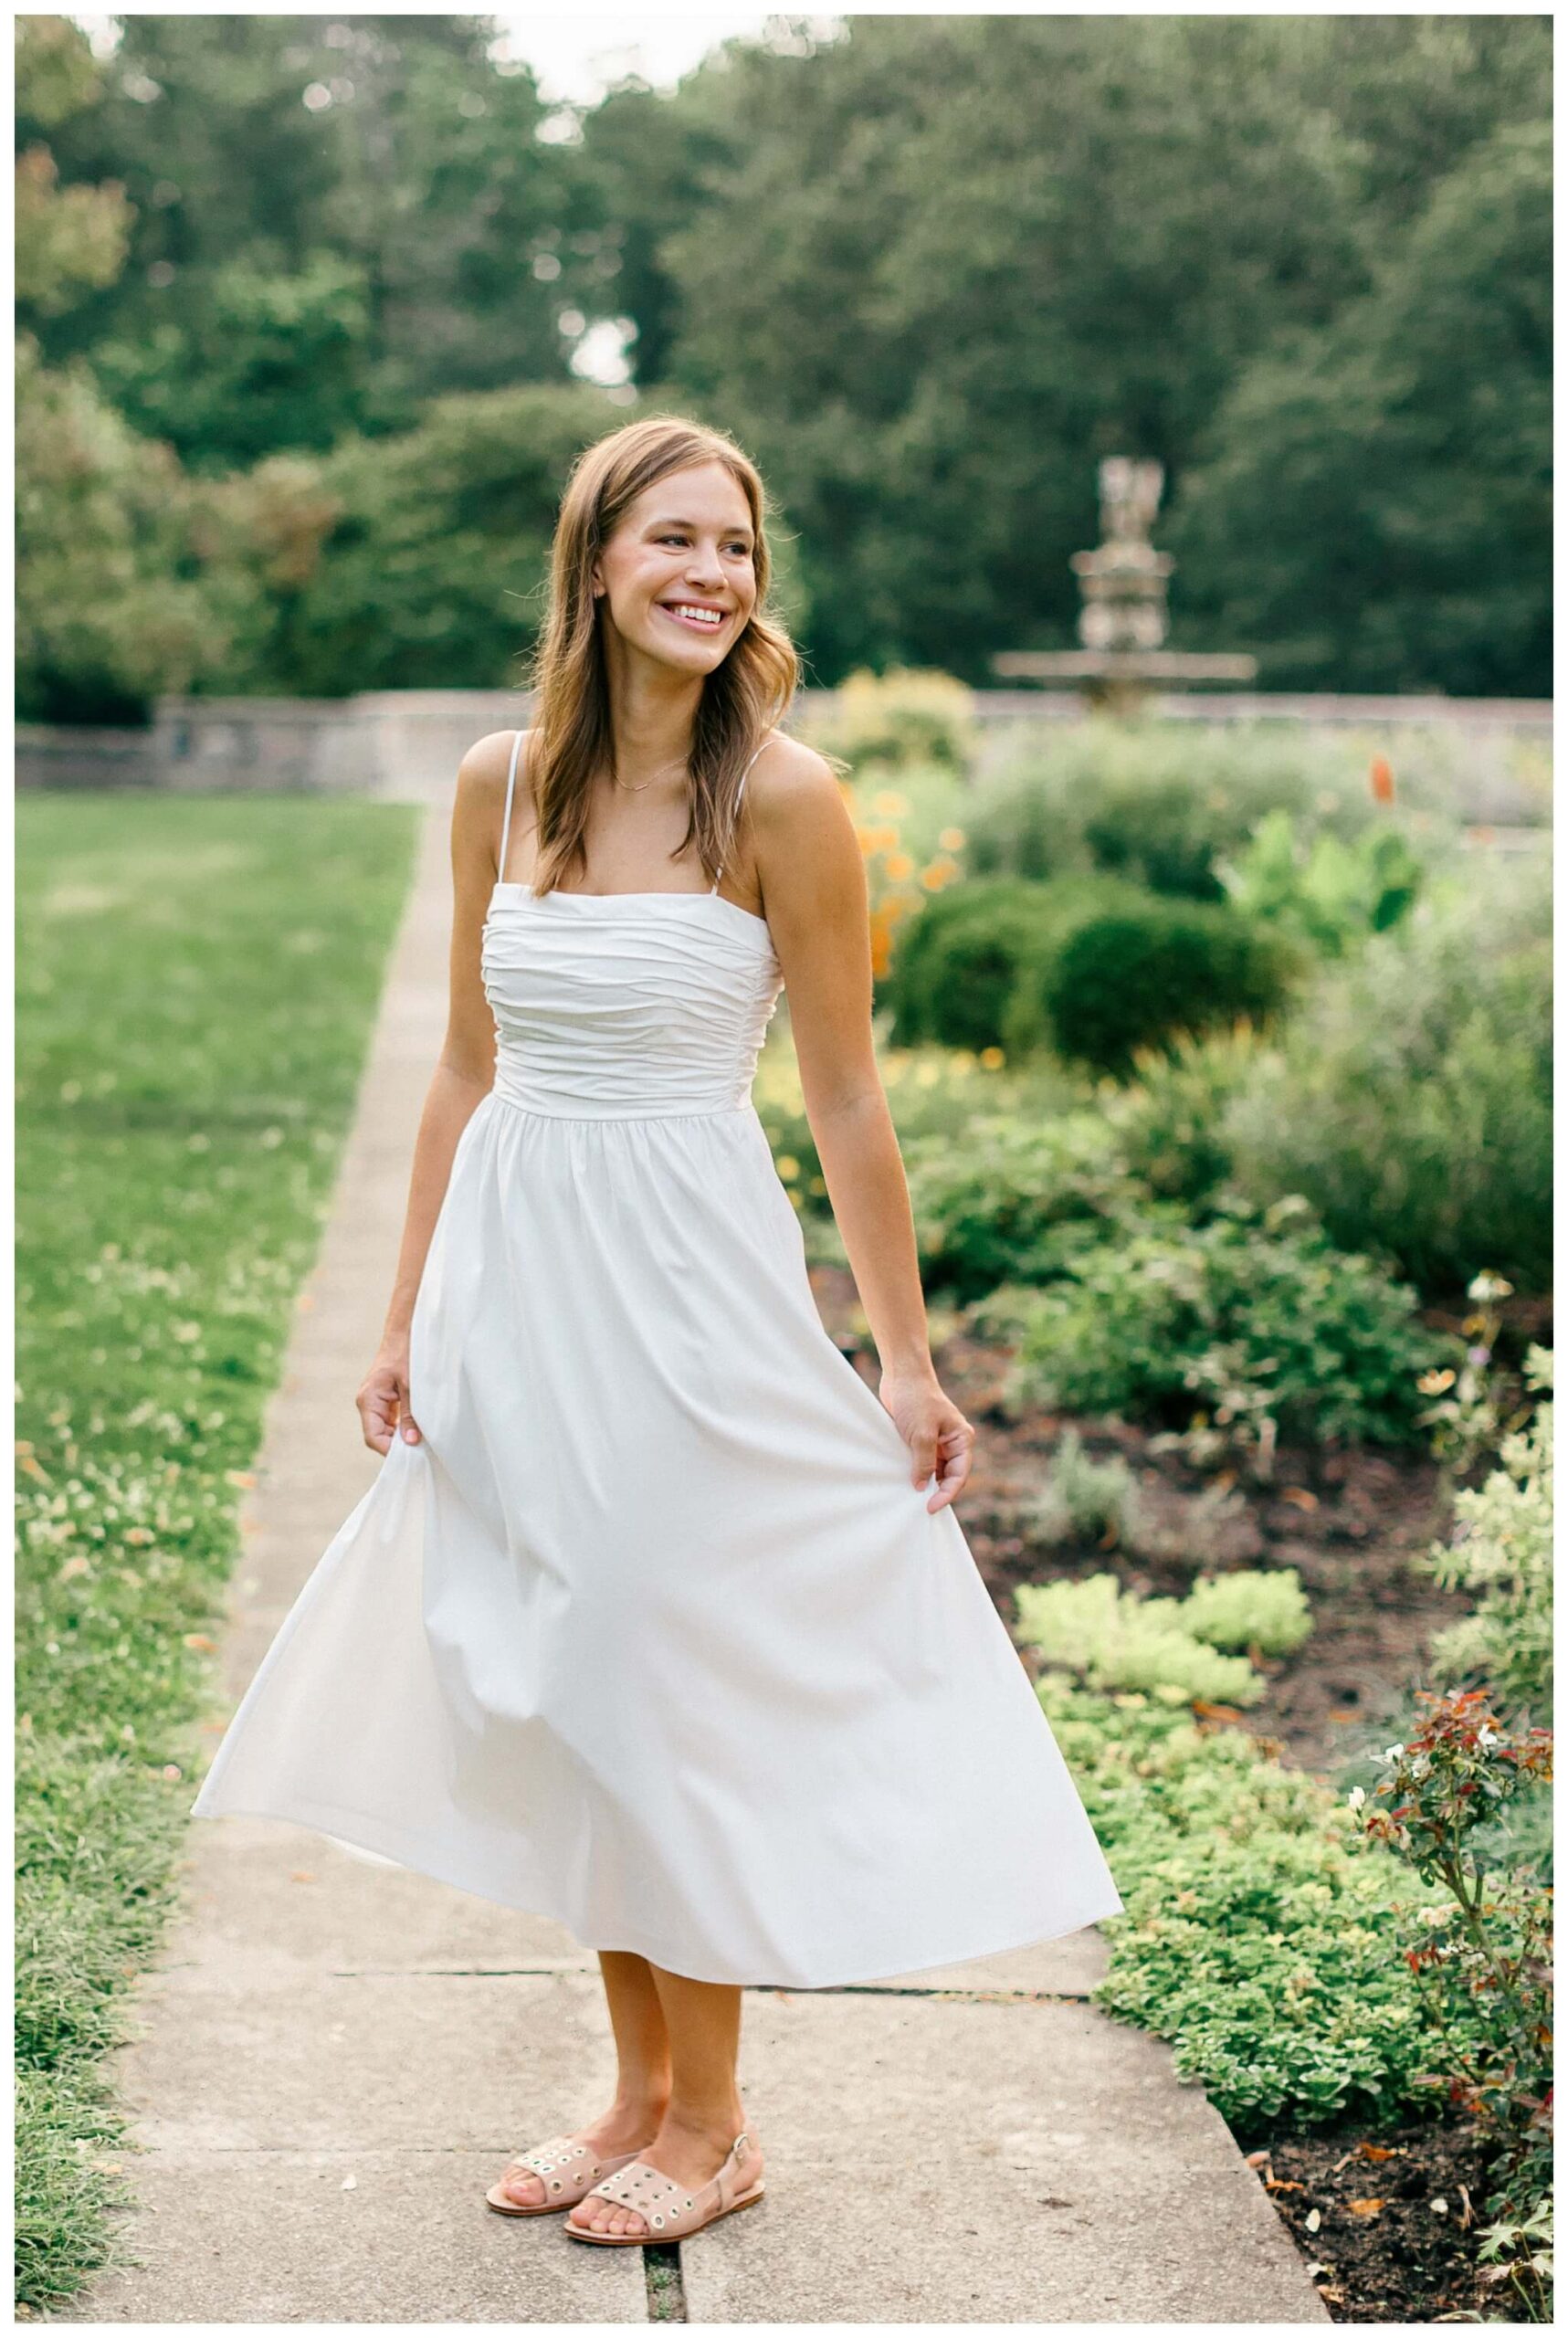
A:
(960, 1996)
(458, 1972)
(664, 2284)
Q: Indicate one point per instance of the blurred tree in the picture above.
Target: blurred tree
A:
(410, 562)
(264, 361)
(67, 240)
(929, 270)
(1412, 95)
(937, 269)
(114, 600)
(649, 164)
(1375, 512)
(261, 150)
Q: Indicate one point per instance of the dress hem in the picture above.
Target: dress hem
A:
(357, 1832)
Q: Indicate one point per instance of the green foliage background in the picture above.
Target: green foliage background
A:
(930, 270)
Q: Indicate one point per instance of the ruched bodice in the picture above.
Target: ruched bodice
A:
(627, 1005)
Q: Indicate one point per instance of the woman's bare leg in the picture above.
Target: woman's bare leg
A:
(642, 2069)
(704, 2113)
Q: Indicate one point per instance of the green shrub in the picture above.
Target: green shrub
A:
(1502, 1550)
(1014, 1202)
(1167, 1121)
(1254, 1608)
(1326, 893)
(1158, 802)
(904, 716)
(1133, 978)
(1267, 1934)
(1163, 832)
(970, 969)
(1258, 1319)
(1084, 1497)
(1113, 1639)
(1410, 1097)
(937, 1095)
(1263, 1936)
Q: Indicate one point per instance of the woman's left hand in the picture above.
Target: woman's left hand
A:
(939, 1439)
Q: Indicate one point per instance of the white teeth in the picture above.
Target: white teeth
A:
(711, 618)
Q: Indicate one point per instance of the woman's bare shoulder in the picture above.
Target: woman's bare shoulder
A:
(482, 775)
(790, 779)
(488, 759)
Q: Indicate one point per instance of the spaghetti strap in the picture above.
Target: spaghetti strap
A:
(506, 822)
(739, 798)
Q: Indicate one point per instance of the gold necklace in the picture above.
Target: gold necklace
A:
(642, 783)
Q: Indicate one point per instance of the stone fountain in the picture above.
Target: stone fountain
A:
(1123, 620)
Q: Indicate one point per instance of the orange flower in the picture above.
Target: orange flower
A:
(1381, 778)
(881, 943)
(900, 866)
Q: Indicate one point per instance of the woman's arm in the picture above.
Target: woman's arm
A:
(463, 1075)
(812, 881)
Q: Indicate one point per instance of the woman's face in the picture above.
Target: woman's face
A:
(675, 579)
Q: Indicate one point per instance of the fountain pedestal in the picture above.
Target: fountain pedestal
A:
(1123, 620)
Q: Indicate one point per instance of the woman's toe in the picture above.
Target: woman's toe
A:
(528, 2191)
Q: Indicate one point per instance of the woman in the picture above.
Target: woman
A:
(657, 1620)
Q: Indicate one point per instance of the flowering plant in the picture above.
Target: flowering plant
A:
(1487, 1955)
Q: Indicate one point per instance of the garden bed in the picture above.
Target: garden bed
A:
(1354, 1525)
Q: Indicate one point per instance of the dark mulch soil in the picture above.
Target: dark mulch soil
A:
(1388, 2226)
(1354, 1523)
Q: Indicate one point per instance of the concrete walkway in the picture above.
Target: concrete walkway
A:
(335, 2057)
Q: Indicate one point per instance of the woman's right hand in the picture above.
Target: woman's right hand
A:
(382, 1398)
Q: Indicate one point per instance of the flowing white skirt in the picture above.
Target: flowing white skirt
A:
(651, 1632)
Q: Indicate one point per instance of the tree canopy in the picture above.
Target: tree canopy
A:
(929, 272)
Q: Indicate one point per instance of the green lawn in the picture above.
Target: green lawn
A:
(196, 981)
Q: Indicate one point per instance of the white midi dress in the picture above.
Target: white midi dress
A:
(651, 1632)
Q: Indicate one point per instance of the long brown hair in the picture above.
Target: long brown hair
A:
(741, 700)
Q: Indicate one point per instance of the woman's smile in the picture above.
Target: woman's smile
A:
(695, 615)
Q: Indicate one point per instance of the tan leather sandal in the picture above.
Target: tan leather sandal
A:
(565, 2166)
(667, 2208)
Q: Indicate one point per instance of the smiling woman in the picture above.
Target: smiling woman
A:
(657, 1620)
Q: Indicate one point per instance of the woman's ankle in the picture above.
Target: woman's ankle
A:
(641, 2099)
(710, 2121)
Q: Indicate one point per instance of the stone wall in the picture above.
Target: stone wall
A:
(407, 745)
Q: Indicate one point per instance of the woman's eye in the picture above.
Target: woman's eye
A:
(742, 548)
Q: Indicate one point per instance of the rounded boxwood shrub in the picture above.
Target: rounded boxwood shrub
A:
(970, 971)
(1135, 977)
